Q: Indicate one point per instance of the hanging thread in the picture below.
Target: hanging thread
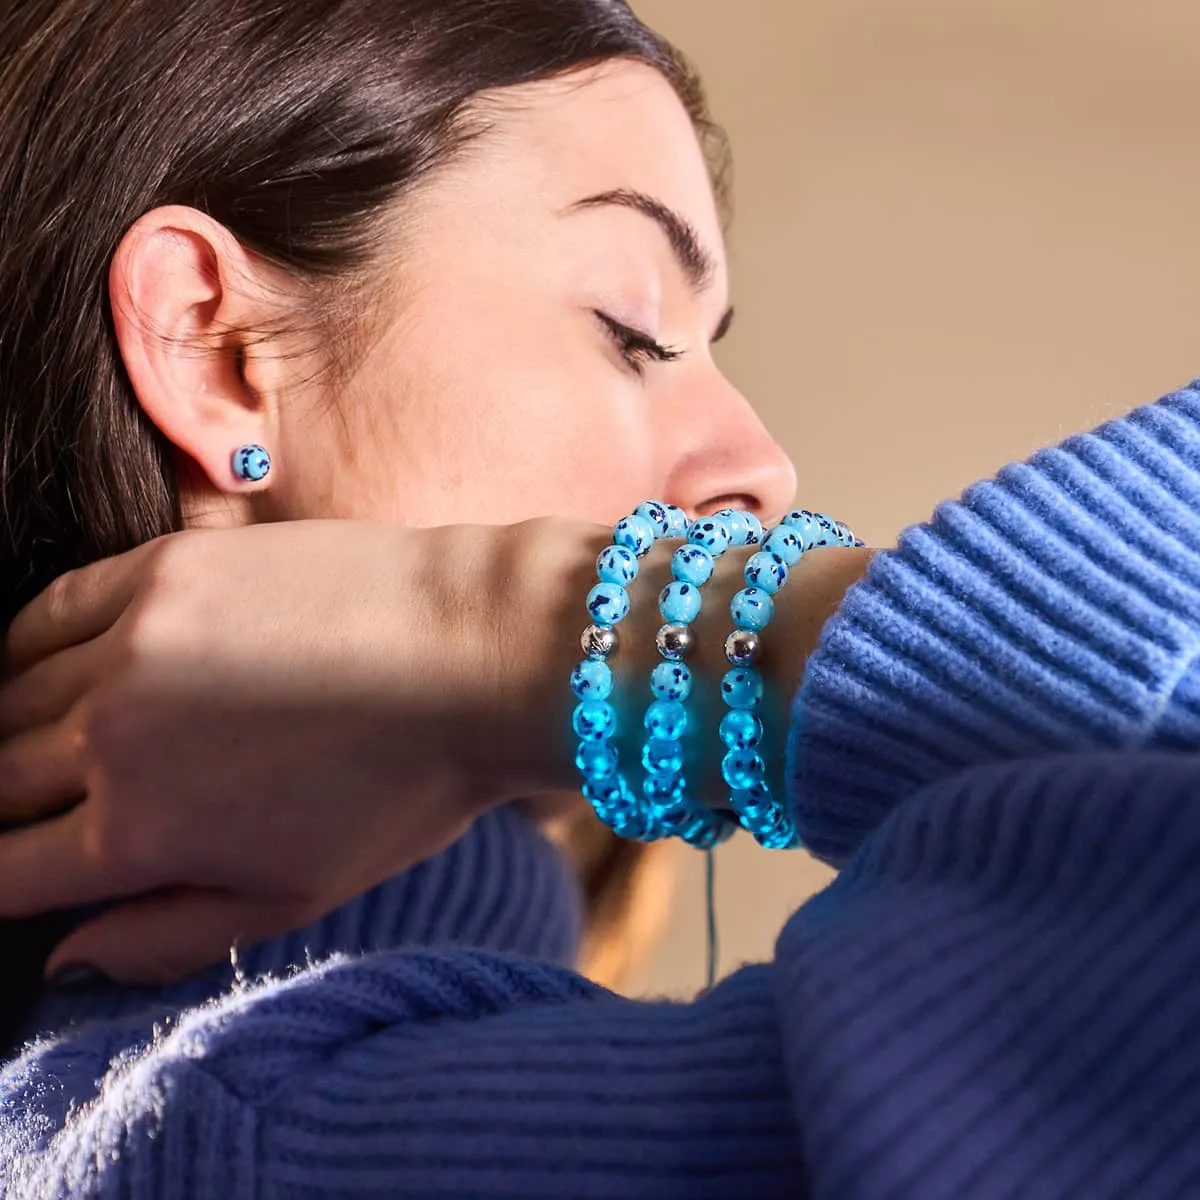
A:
(710, 890)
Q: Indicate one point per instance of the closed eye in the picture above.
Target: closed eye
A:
(636, 348)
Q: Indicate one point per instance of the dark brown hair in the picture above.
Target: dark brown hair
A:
(299, 126)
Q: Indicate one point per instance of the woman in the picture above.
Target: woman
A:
(989, 1001)
(329, 166)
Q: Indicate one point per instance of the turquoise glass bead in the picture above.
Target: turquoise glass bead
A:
(752, 609)
(596, 760)
(608, 604)
(735, 522)
(754, 530)
(662, 756)
(783, 543)
(251, 463)
(677, 520)
(679, 603)
(592, 680)
(617, 564)
(844, 534)
(741, 688)
(666, 719)
(706, 831)
(656, 513)
(670, 681)
(742, 769)
(594, 720)
(712, 534)
(755, 802)
(663, 790)
(634, 533)
(741, 730)
(766, 572)
(805, 525)
(604, 791)
(692, 564)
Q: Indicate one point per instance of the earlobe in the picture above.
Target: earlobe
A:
(183, 295)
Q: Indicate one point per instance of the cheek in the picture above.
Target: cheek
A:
(479, 418)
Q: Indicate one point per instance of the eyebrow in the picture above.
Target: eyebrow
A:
(698, 264)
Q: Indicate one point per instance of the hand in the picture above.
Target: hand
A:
(237, 731)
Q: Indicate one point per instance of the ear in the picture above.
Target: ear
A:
(186, 300)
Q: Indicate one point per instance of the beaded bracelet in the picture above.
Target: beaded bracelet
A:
(751, 609)
(668, 811)
(679, 604)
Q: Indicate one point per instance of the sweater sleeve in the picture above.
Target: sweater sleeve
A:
(1054, 608)
(421, 1074)
(994, 999)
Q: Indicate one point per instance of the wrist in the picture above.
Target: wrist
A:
(555, 566)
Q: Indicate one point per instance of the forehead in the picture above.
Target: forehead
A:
(616, 126)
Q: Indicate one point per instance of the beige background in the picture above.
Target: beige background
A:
(964, 228)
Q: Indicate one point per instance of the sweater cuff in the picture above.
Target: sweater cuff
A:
(1053, 608)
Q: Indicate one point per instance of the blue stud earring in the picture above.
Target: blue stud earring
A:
(251, 463)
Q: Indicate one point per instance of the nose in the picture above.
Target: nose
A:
(724, 457)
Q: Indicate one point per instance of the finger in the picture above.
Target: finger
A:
(40, 773)
(47, 691)
(75, 608)
(49, 865)
(160, 938)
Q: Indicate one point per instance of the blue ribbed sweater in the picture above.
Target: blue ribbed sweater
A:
(999, 996)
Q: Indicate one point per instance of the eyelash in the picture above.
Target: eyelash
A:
(637, 349)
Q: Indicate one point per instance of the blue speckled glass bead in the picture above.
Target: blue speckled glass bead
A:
(678, 521)
(594, 720)
(783, 543)
(251, 463)
(666, 719)
(663, 790)
(736, 523)
(743, 768)
(766, 571)
(752, 609)
(805, 526)
(705, 831)
(634, 533)
(608, 603)
(742, 688)
(617, 564)
(755, 803)
(592, 680)
(692, 564)
(656, 513)
(596, 760)
(741, 730)
(711, 533)
(662, 756)
(844, 534)
(754, 530)
(670, 681)
(679, 603)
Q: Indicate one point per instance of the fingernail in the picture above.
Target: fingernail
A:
(73, 977)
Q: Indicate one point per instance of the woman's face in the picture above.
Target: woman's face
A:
(542, 345)
(519, 372)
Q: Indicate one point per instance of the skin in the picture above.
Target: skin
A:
(489, 350)
(486, 347)
(490, 433)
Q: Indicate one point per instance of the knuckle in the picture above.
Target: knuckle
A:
(61, 598)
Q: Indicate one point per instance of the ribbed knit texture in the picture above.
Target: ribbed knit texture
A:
(996, 997)
(1053, 608)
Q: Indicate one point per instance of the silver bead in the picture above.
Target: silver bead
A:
(598, 641)
(674, 641)
(741, 647)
